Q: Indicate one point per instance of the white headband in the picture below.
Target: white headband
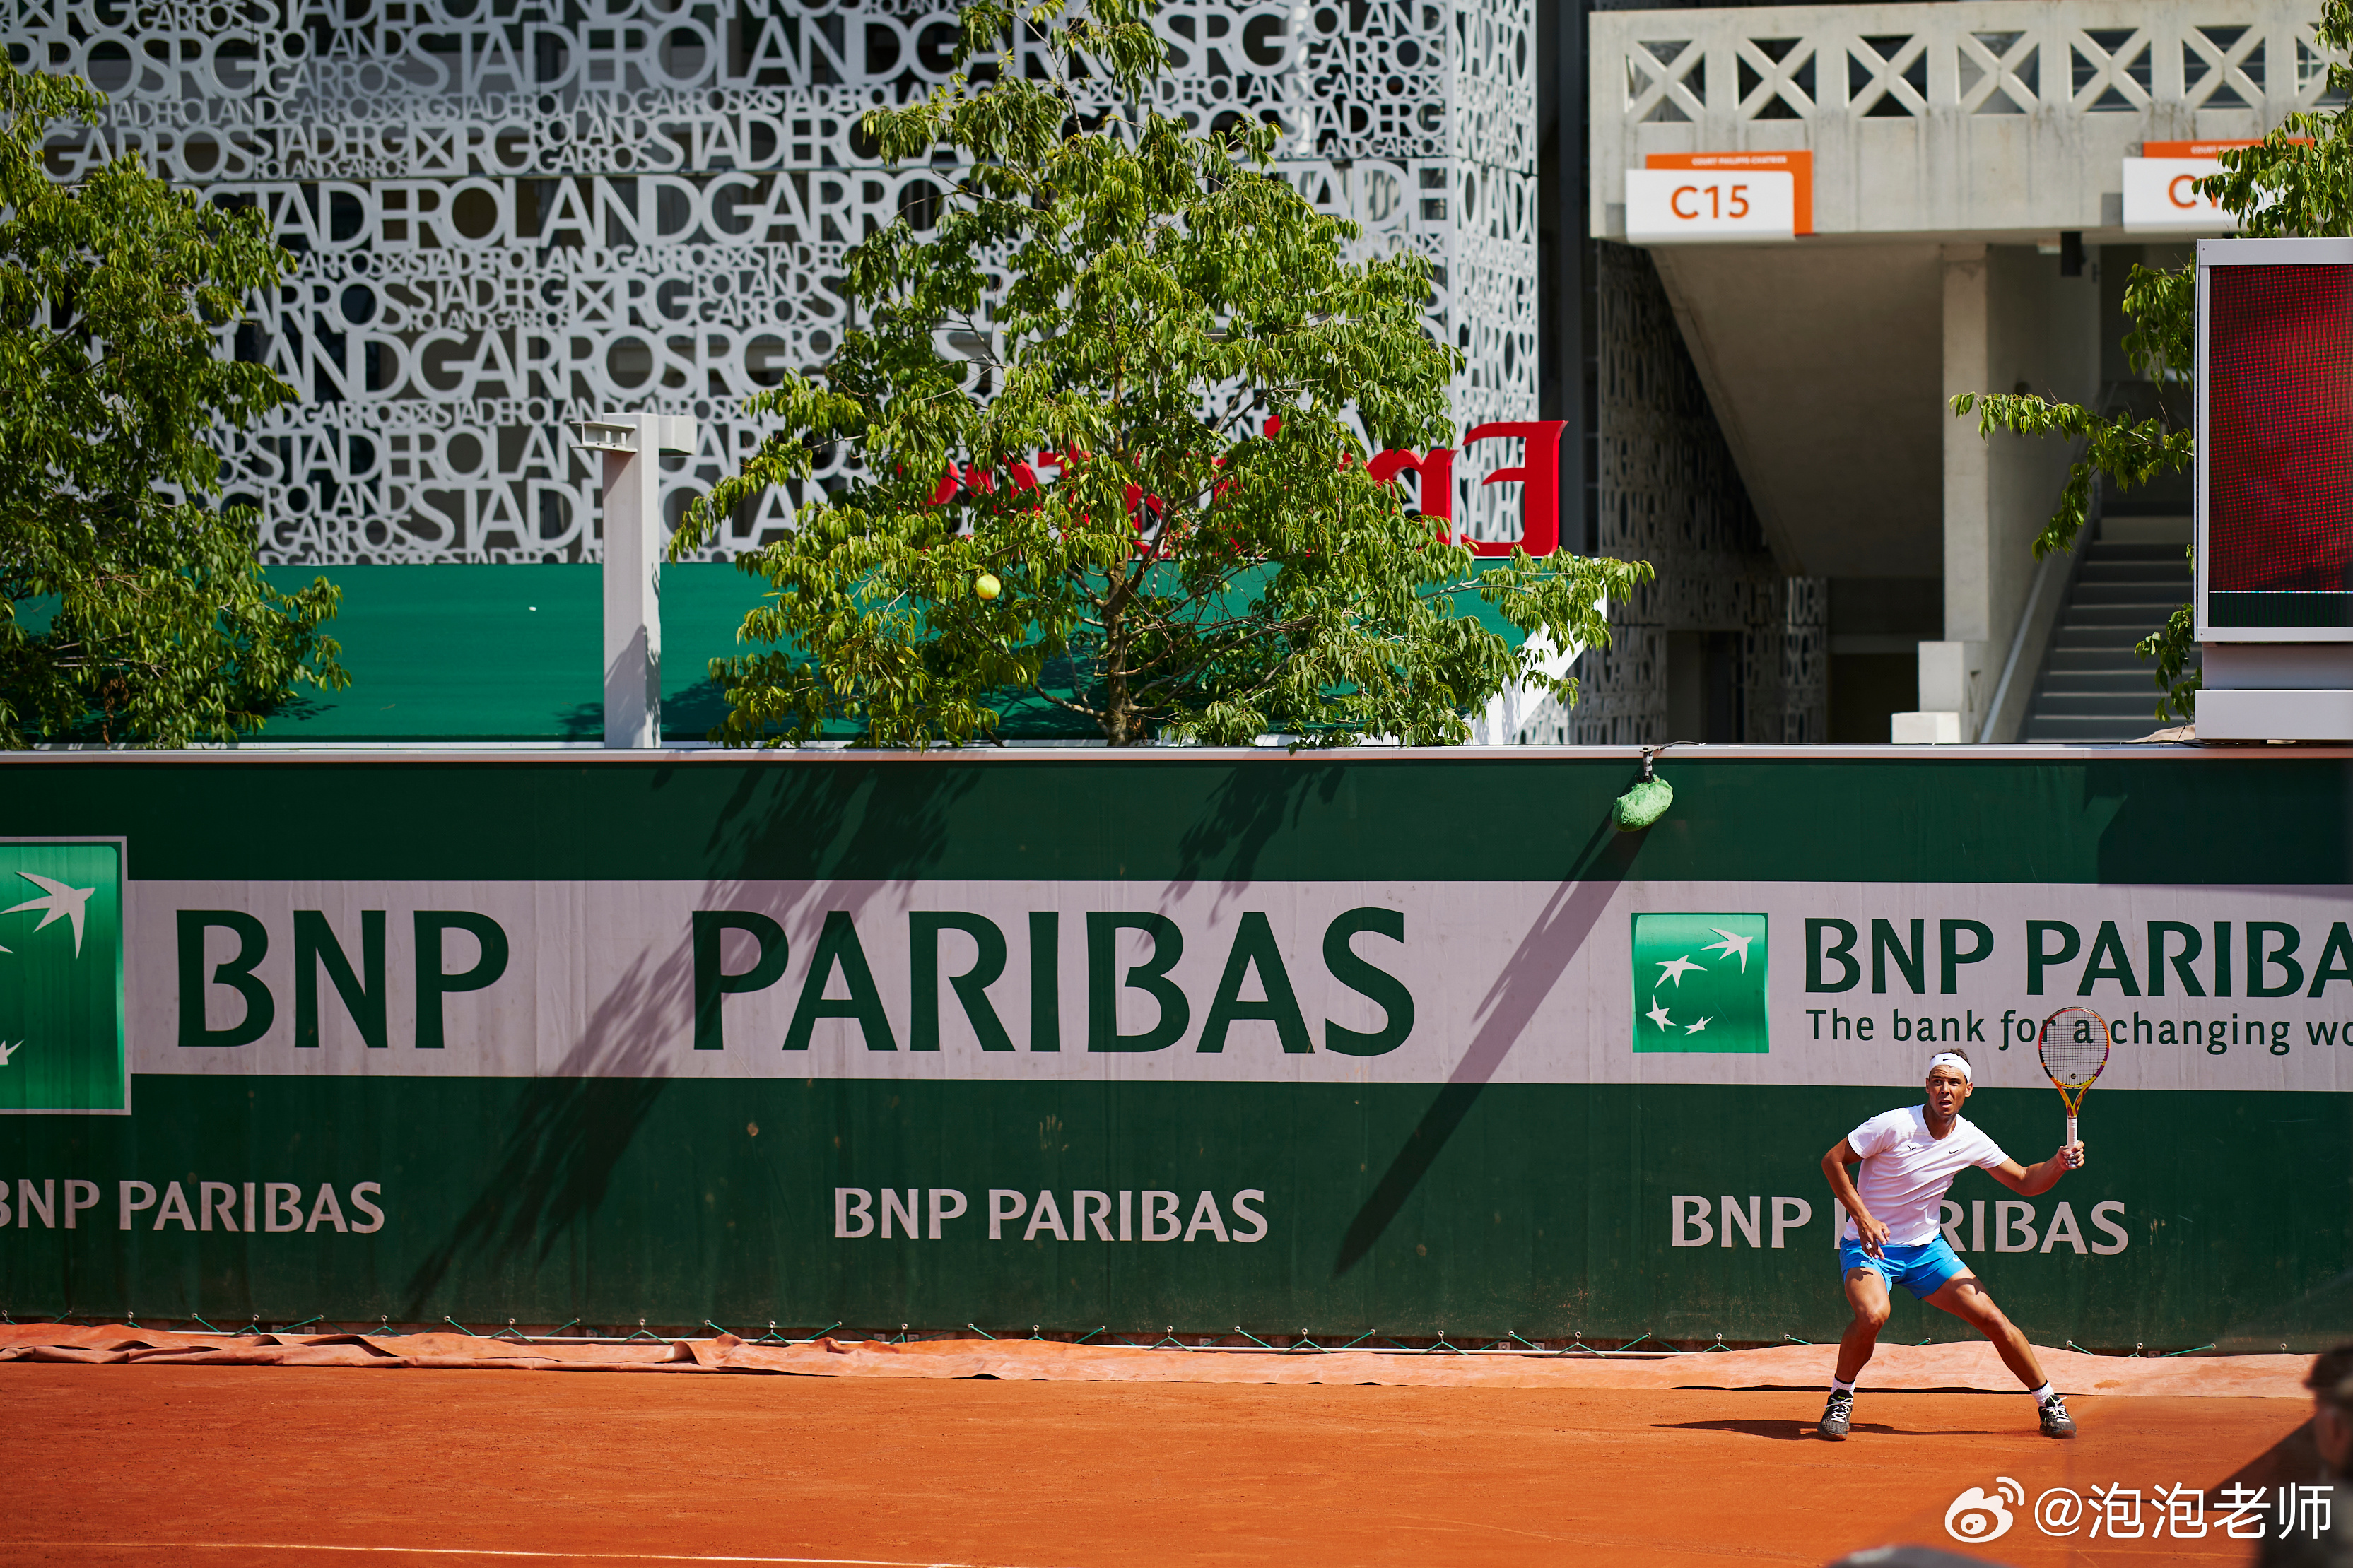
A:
(1947, 1060)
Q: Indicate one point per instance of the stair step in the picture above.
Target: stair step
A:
(2104, 550)
(2146, 616)
(2137, 601)
(2098, 641)
(2151, 571)
(2094, 705)
(2168, 594)
(2172, 560)
(2167, 591)
(2074, 665)
(2071, 670)
(2105, 634)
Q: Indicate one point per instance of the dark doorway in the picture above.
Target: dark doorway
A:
(1703, 687)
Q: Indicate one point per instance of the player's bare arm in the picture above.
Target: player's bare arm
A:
(2033, 1181)
(1834, 1170)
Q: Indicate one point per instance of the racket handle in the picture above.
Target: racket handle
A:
(2071, 1137)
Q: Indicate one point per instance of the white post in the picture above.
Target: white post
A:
(634, 539)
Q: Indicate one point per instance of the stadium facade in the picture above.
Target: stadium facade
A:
(512, 216)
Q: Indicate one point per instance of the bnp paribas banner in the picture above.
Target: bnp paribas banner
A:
(1246, 982)
(1404, 1042)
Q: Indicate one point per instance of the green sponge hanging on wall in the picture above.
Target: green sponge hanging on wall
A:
(1646, 802)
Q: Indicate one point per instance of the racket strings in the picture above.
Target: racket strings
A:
(2074, 1047)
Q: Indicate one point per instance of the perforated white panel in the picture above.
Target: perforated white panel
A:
(512, 214)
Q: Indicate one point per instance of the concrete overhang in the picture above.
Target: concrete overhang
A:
(1934, 131)
(1999, 120)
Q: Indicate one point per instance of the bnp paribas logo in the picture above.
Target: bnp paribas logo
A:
(61, 976)
(1699, 983)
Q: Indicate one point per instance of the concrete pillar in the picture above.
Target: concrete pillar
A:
(634, 539)
(2010, 325)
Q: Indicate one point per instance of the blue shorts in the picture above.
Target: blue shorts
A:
(1921, 1269)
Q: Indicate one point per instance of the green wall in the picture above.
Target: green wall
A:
(1407, 1209)
(1544, 1208)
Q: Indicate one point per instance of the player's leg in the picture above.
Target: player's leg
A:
(1866, 1294)
(1866, 1297)
(1966, 1298)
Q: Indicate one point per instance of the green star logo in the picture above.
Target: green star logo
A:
(1699, 984)
(61, 1002)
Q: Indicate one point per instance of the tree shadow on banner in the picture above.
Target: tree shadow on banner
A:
(1527, 979)
(568, 1134)
(781, 830)
(832, 815)
(1256, 801)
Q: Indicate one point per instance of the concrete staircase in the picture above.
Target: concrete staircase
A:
(2093, 687)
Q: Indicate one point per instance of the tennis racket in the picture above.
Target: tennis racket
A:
(2075, 1050)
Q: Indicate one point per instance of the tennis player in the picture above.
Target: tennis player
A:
(1891, 1235)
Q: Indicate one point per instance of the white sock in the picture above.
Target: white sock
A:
(2042, 1394)
(1838, 1387)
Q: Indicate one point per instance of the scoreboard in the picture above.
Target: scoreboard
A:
(2274, 490)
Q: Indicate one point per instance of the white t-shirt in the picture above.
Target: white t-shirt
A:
(1906, 1171)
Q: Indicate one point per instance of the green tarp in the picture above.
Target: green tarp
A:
(514, 653)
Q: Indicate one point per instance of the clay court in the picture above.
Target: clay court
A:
(1036, 1456)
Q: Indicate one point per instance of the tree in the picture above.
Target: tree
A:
(1181, 334)
(132, 611)
(2297, 181)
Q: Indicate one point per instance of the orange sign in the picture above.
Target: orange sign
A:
(2206, 149)
(2194, 148)
(1799, 165)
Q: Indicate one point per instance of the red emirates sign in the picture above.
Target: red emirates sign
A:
(1538, 471)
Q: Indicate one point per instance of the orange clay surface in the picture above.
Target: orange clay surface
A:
(149, 1464)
